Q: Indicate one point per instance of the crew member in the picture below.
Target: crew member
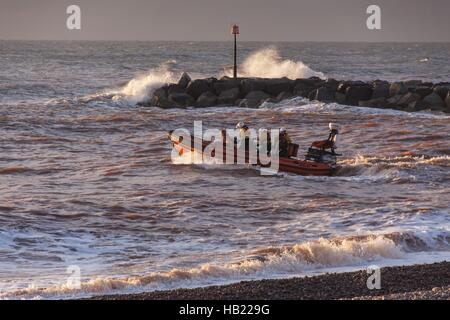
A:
(331, 142)
(264, 140)
(285, 141)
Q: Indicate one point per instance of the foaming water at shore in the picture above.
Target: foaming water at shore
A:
(274, 262)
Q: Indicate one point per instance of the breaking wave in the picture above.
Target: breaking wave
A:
(370, 165)
(267, 63)
(139, 89)
(272, 262)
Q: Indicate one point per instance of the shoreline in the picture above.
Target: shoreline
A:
(416, 282)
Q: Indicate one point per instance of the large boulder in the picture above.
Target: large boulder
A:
(181, 99)
(252, 84)
(323, 94)
(417, 106)
(434, 101)
(397, 88)
(255, 98)
(374, 103)
(408, 99)
(160, 93)
(175, 88)
(302, 90)
(229, 96)
(447, 102)
(257, 95)
(225, 85)
(206, 99)
(343, 86)
(284, 96)
(276, 86)
(303, 87)
(392, 102)
(160, 98)
(423, 91)
(197, 87)
(354, 94)
(339, 97)
(246, 103)
(164, 103)
(380, 89)
(331, 84)
(442, 90)
(184, 80)
(412, 84)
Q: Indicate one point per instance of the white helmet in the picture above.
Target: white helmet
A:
(283, 130)
(240, 125)
(333, 126)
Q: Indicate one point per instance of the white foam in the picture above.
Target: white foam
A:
(264, 263)
(267, 63)
(141, 88)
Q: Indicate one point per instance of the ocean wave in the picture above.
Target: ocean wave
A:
(271, 262)
(360, 164)
(138, 89)
(396, 169)
(141, 88)
(267, 63)
(300, 104)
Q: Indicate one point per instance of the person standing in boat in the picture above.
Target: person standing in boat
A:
(243, 130)
(243, 135)
(285, 141)
(331, 142)
(333, 137)
(264, 140)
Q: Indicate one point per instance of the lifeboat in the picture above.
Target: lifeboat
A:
(317, 162)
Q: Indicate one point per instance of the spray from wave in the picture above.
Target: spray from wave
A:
(360, 164)
(141, 88)
(267, 63)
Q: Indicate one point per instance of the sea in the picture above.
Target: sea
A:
(91, 202)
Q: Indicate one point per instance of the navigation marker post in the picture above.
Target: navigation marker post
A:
(235, 32)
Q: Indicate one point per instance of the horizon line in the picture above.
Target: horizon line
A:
(242, 41)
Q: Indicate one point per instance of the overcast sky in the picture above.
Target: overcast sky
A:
(271, 20)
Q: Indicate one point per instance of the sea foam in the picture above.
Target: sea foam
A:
(267, 63)
(271, 262)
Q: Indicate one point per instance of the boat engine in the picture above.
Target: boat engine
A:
(322, 156)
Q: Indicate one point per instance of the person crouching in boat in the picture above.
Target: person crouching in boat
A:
(285, 141)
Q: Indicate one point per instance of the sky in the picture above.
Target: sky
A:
(210, 20)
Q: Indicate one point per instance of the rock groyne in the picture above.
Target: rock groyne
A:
(413, 95)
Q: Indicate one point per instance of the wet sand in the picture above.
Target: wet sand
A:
(419, 282)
